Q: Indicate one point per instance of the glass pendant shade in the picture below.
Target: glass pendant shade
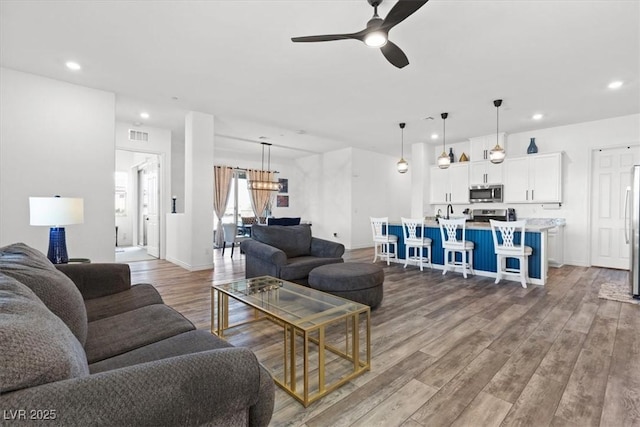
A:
(444, 161)
(497, 153)
(402, 165)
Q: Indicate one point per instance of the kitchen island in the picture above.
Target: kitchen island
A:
(484, 258)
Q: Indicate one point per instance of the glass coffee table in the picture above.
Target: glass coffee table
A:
(326, 338)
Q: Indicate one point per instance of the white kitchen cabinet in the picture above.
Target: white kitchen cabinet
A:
(485, 172)
(450, 185)
(482, 145)
(533, 179)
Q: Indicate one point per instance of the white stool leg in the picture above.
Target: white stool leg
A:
(421, 255)
(471, 262)
(446, 262)
(429, 255)
(407, 252)
(524, 270)
(388, 253)
(498, 269)
(463, 255)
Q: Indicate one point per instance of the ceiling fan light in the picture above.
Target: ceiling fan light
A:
(375, 39)
(444, 161)
(403, 166)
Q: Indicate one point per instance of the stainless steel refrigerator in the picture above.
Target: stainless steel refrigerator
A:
(632, 230)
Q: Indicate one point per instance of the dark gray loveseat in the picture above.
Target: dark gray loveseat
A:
(84, 348)
(287, 252)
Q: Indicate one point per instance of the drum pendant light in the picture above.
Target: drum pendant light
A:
(403, 166)
(443, 160)
(497, 153)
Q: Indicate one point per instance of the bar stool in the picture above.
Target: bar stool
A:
(451, 245)
(509, 249)
(410, 227)
(382, 239)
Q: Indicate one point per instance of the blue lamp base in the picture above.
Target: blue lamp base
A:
(57, 246)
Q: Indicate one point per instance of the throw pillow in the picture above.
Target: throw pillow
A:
(37, 347)
(31, 268)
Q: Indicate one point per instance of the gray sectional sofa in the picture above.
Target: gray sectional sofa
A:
(81, 346)
(287, 252)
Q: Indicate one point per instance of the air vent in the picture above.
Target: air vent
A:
(136, 135)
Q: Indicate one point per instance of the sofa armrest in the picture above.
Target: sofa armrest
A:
(214, 387)
(264, 252)
(98, 280)
(326, 248)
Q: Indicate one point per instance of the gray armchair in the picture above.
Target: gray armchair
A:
(287, 252)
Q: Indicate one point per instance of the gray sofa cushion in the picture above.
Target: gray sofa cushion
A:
(300, 267)
(133, 329)
(185, 343)
(54, 288)
(36, 347)
(137, 296)
(293, 240)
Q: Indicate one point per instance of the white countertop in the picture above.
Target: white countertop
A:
(532, 227)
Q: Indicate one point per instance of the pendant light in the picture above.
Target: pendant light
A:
(264, 184)
(403, 166)
(443, 160)
(497, 154)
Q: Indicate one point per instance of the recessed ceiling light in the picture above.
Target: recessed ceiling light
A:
(434, 136)
(144, 115)
(615, 85)
(537, 116)
(73, 65)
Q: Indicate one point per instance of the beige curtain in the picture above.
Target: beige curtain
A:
(260, 199)
(222, 176)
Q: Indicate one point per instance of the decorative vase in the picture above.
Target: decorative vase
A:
(533, 148)
(451, 156)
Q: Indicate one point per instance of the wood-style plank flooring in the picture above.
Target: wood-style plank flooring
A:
(453, 352)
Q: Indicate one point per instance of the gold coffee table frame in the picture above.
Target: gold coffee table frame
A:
(304, 313)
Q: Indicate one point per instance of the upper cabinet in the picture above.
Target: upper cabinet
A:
(450, 185)
(482, 145)
(485, 173)
(533, 179)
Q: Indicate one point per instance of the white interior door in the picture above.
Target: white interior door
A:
(153, 215)
(611, 175)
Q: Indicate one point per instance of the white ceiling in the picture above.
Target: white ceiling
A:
(235, 60)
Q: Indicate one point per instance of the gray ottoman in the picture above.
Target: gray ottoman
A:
(356, 281)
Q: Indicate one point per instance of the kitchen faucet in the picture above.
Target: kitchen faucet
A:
(449, 207)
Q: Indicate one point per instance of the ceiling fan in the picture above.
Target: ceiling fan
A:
(377, 31)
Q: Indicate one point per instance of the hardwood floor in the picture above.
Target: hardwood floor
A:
(453, 352)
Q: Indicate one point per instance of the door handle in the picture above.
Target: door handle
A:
(626, 215)
(532, 195)
(527, 195)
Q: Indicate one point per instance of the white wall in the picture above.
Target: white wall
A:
(159, 143)
(343, 188)
(57, 138)
(177, 170)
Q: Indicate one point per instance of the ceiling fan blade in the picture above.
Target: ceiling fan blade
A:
(401, 11)
(329, 37)
(394, 54)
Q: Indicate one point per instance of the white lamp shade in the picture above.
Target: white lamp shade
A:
(56, 211)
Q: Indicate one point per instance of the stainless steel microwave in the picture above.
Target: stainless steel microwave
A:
(486, 193)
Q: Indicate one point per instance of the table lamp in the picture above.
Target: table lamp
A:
(56, 212)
